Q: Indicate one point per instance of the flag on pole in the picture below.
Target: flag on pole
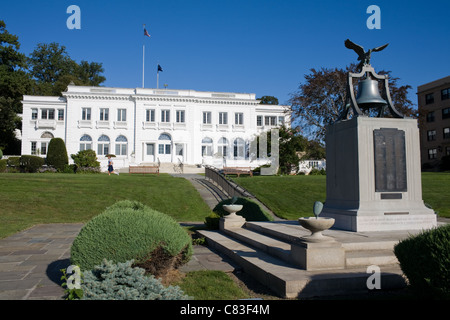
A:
(159, 68)
(146, 32)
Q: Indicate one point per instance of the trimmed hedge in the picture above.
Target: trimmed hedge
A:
(31, 164)
(128, 230)
(425, 261)
(57, 154)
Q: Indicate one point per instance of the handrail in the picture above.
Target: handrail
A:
(229, 187)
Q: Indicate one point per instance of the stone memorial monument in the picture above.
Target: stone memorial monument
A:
(373, 159)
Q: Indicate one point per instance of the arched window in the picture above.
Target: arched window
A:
(47, 135)
(239, 148)
(222, 149)
(85, 142)
(121, 146)
(103, 145)
(207, 144)
(165, 144)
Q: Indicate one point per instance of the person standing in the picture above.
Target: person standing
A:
(110, 166)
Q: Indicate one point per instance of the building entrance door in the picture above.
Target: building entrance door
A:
(149, 155)
(165, 148)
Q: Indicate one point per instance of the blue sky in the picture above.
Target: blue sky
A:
(255, 46)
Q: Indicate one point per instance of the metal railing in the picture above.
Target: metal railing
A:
(228, 186)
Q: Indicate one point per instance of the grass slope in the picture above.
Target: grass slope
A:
(29, 199)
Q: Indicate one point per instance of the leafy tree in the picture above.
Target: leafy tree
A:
(320, 100)
(268, 100)
(57, 154)
(53, 69)
(14, 83)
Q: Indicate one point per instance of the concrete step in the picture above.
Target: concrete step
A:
(287, 280)
(269, 245)
(370, 257)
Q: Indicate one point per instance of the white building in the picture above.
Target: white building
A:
(150, 125)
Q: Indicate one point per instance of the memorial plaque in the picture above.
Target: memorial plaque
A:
(390, 160)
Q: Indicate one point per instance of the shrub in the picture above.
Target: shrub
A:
(121, 281)
(212, 221)
(57, 154)
(13, 162)
(31, 163)
(251, 211)
(3, 165)
(425, 261)
(86, 161)
(129, 230)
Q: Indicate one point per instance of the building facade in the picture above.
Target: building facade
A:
(434, 118)
(143, 126)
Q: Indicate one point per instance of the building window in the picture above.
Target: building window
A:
(206, 117)
(223, 117)
(445, 94)
(60, 114)
(103, 145)
(431, 135)
(239, 118)
(122, 115)
(429, 98)
(104, 114)
(446, 133)
(150, 115)
(259, 121)
(34, 114)
(33, 147)
(430, 116)
(44, 148)
(48, 114)
(86, 114)
(165, 115)
(239, 148)
(281, 120)
(85, 142)
(432, 154)
(270, 121)
(180, 116)
(207, 144)
(445, 113)
(222, 147)
(121, 146)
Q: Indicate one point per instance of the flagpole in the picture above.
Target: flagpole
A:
(143, 59)
(157, 79)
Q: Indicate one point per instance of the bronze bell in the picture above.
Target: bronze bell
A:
(368, 95)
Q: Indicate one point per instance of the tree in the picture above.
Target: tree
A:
(14, 83)
(53, 69)
(268, 100)
(57, 154)
(320, 100)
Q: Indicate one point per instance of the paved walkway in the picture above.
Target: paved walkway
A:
(31, 260)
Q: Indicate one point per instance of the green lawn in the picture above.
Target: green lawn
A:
(29, 199)
(291, 197)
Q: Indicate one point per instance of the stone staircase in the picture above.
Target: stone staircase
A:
(263, 250)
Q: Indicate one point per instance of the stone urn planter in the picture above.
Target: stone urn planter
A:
(232, 209)
(232, 220)
(316, 225)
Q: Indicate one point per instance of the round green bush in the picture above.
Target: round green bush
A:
(251, 211)
(129, 230)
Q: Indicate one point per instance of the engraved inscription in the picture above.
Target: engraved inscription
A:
(390, 160)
